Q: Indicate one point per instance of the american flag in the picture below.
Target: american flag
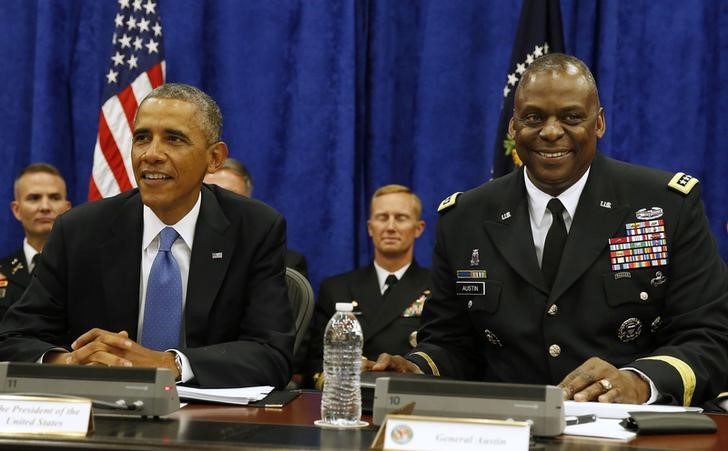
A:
(539, 32)
(137, 66)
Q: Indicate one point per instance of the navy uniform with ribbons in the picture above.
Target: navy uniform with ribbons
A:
(388, 325)
(640, 285)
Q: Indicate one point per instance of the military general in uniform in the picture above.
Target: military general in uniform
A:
(576, 269)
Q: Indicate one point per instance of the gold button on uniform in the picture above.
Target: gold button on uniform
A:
(554, 350)
(553, 310)
(413, 339)
(644, 296)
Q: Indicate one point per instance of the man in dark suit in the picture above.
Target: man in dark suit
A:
(40, 196)
(578, 270)
(388, 295)
(235, 177)
(172, 275)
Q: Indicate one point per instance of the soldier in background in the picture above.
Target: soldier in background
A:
(40, 196)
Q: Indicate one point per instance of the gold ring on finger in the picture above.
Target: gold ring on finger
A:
(606, 385)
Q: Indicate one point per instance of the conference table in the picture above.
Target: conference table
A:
(223, 427)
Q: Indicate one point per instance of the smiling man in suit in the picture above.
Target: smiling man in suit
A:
(172, 275)
(389, 294)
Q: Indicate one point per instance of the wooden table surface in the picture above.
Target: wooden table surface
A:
(221, 427)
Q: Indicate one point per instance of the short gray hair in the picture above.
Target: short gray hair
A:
(210, 115)
(558, 62)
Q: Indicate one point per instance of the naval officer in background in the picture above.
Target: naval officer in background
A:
(388, 294)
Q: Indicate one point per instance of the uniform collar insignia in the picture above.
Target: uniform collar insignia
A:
(475, 258)
(17, 266)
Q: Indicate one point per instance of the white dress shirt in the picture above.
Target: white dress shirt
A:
(541, 217)
(383, 273)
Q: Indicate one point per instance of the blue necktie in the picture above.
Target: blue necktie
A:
(163, 305)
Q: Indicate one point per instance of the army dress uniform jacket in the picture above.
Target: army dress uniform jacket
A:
(14, 279)
(386, 324)
(237, 318)
(492, 318)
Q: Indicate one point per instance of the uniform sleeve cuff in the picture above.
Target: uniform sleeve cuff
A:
(425, 362)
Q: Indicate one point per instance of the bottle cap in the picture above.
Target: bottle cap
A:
(344, 307)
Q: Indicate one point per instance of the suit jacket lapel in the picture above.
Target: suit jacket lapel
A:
(511, 233)
(206, 275)
(398, 299)
(121, 266)
(598, 216)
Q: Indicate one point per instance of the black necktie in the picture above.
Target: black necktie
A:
(34, 261)
(555, 241)
(389, 283)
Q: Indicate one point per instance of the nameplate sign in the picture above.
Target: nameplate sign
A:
(425, 433)
(41, 415)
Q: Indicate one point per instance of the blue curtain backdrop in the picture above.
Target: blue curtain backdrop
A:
(326, 100)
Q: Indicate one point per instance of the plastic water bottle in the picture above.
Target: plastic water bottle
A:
(341, 399)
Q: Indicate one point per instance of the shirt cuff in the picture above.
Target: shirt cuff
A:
(41, 359)
(186, 369)
(654, 394)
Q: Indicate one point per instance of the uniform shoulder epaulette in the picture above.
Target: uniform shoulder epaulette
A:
(448, 202)
(682, 183)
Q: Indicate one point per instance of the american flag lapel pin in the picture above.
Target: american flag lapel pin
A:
(217, 255)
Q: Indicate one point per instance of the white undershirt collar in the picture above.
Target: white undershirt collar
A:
(540, 217)
(383, 273)
(29, 252)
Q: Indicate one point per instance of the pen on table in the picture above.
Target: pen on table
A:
(580, 419)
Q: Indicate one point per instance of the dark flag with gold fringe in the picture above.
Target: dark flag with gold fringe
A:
(539, 31)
